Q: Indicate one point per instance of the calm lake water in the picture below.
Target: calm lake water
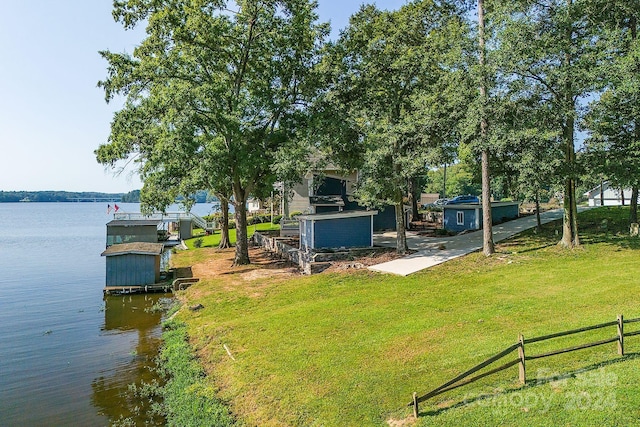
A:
(67, 353)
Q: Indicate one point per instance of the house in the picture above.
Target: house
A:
(612, 196)
(346, 229)
(328, 182)
(328, 190)
(428, 198)
(133, 264)
(463, 217)
(254, 205)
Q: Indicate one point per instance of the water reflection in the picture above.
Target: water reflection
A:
(133, 332)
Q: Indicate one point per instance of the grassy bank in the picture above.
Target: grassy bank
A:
(347, 349)
(189, 400)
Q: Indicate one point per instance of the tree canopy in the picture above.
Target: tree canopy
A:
(390, 81)
(215, 90)
(231, 96)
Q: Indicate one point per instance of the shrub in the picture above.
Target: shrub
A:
(276, 219)
(295, 214)
(441, 232)
(197, 243)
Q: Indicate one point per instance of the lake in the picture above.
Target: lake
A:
(68, 353)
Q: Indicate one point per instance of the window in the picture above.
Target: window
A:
(460, 217)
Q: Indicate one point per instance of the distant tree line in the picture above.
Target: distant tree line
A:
(54, 196)
(67, 196)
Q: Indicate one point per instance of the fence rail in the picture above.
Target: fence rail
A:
(462, 379)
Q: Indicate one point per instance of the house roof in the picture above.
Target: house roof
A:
(477, 205)
(337, 215)
(133, 222)
(138, 248)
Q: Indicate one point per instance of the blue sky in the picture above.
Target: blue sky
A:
(52, 114)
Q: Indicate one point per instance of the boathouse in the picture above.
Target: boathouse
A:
(346, 229)
(463, 217)
(128, 231)
(133, 264)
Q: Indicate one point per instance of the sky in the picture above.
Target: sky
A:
(52, 114)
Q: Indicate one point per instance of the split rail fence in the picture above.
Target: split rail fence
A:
(463, 379)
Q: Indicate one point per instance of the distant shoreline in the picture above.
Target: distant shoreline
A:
(68, 197)
(85, 197)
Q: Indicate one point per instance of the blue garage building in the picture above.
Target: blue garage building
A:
(346, 229)
(469, 216)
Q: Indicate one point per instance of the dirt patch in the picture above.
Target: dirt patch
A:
(263, 264)
(379, 256)
(409, 421)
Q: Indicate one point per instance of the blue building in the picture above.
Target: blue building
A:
(346, 229)
(469, 216)
(133, 264)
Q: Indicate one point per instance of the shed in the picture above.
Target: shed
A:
(133, 264)
(469, 216)
(128, 231)
(348, 229)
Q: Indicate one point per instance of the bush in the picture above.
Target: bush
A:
(197, 243)
(259, 219)
(295, 214)
(441, 232)
(232, 224)
(276, 219)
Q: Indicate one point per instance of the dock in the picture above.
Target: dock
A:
(179, 284)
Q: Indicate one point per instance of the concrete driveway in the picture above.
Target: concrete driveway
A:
(429, 253)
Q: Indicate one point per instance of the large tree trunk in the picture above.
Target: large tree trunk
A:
(538, 221)
(242, 242)
(415, 196)
(601, 193)
(444, 182)
(633, 213)
(488, 247)
(401, 239)
(570, 237)
(225, 242)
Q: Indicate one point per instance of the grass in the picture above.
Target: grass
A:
(349, 349)
(213, 240)
(188, 399)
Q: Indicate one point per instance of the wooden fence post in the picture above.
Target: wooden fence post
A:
(521, 366)
(415, 404)
(620, 335)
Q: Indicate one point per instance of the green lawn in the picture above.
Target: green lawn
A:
(350, 349)
(213, 240)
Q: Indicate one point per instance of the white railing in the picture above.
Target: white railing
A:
(166, 217)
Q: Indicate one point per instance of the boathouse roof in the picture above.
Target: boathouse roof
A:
(140, 248)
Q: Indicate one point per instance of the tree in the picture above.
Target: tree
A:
(215, 77)
(614, 117)
(488, 247)
(387, 93)
(460, 180)
(530, 149)
(551, 46)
